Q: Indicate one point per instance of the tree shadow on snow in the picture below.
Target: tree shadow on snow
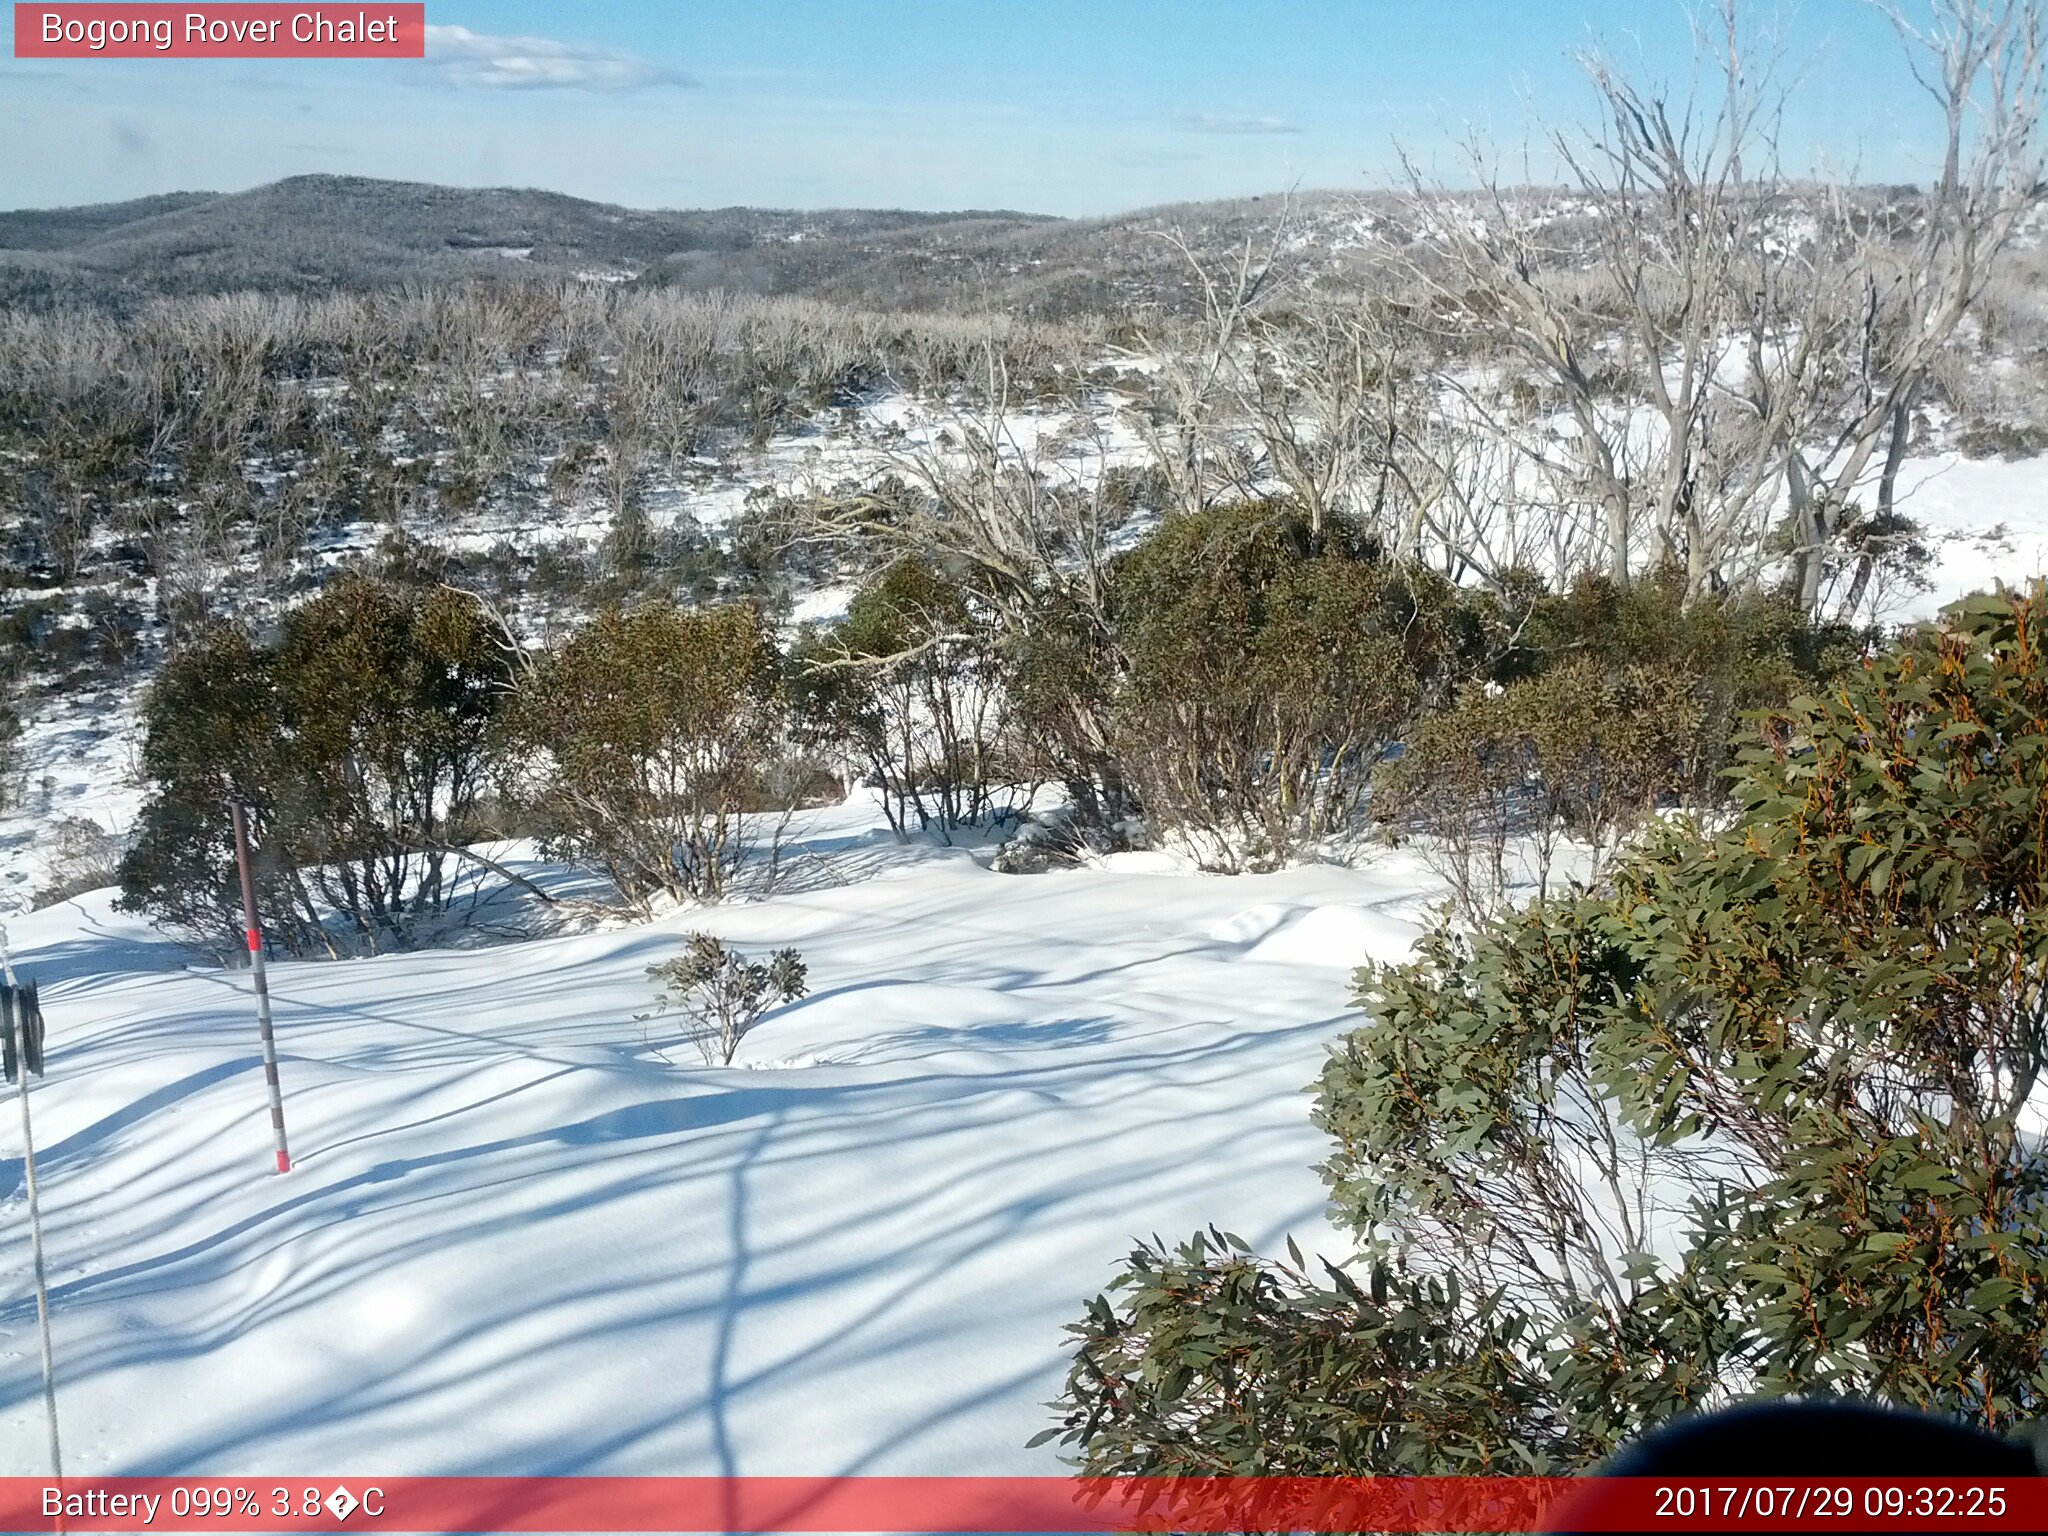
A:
(763, 1139)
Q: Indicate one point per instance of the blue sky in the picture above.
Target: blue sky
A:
(1057, 106)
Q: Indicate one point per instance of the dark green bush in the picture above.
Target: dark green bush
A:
(357, 742)
(1748, 1122)
(1602, 702)
(1501, 777)
(1060, 670)
(647, 736)
(10, 746)
(1740, 651)
(1261, 673)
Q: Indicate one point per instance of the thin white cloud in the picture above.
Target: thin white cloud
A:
(461, 57)
(1224, 122)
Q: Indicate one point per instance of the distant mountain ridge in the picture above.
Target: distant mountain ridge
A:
(320, 234)
(312, 234)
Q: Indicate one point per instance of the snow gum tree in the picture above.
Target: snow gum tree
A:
(1753, 1118)
(1731, 353)
(1028, 519)
(910, 683)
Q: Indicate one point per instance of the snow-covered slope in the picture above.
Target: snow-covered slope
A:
(516, 1241)
(520, 1241)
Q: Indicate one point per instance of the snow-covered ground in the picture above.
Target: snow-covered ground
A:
(1986, 521)
(517, 1241)
(78, 762)
(520, 1241)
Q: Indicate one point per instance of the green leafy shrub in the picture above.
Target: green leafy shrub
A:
(1602, 702)
(10, 746)
(2008, 440)
(648, 736)
(1750, 1121)
(1060, 670)
(721, 996)
(1740, 652)
(1262, 675)
(358, 743)
(1500, 777)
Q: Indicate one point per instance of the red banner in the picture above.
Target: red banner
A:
(1021, 1504)
(263, 31)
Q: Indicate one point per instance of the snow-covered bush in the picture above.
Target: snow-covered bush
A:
(1753, 1121)
(721, 996)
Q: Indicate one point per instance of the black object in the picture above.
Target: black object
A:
(1820, 1439)
(21, 1015)
(1815, 1438)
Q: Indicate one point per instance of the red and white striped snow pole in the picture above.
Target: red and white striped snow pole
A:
(284, 1157)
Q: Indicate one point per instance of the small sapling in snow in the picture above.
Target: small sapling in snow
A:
(721, 995)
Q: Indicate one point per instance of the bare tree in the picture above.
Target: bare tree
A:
(1016, 506)
(1730, 350)
(1982, 64)
(1322, 389)
(1191, 413)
